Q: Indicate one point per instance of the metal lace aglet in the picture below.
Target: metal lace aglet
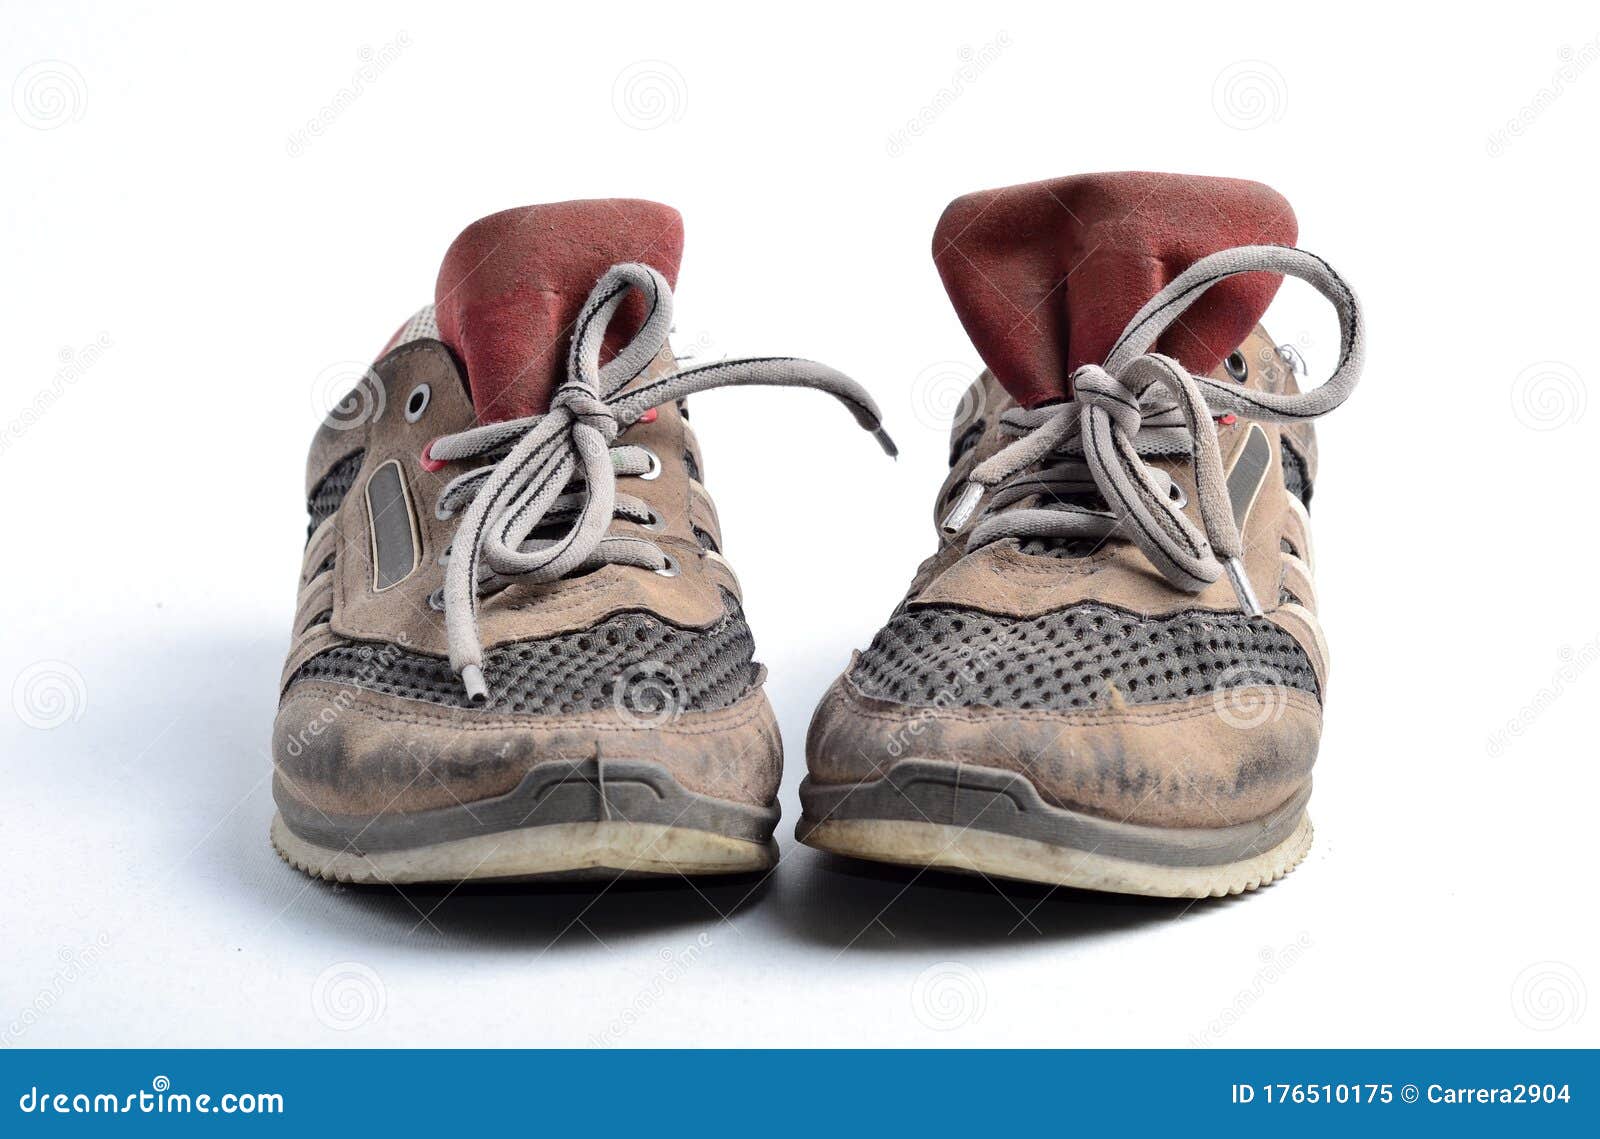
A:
(472, 678)
(961, 513)
(885, 442)
(1241, 587)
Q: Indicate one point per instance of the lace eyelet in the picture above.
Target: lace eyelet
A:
(1236, 366)
(654, 522)
(417, 402)
(436, 600)
(670, 569)
(655, 466)
(1179, 497)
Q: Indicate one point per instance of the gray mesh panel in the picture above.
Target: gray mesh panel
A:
(1294, 475)
(1060, 547)
(1072, 658)
(570, 673)
(329, 493)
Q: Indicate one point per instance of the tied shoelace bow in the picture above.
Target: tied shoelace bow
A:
(1139, 405)
(562, 467)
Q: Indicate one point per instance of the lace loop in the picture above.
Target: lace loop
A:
(559, 470)
(1141, 404)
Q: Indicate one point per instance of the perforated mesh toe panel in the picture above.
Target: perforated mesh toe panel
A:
(1060, 547)
(1072, 658)
(659, 667)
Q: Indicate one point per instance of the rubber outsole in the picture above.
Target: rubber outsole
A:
(589, 820)
(981, 820)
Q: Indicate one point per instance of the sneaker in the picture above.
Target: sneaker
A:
(1110, 675)
(518, 651)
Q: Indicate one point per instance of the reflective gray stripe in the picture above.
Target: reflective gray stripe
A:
(394, 528)
(1249, 471)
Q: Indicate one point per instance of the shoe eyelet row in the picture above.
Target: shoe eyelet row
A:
(417, 402)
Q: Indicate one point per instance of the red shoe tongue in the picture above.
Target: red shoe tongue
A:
(513, 283)
(1046, 276)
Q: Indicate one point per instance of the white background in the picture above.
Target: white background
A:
(178, 274)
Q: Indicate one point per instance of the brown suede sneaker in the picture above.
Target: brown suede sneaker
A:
(1110, 675)
(517, 651)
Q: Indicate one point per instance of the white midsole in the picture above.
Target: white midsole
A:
(606, 848)
(1007, 856)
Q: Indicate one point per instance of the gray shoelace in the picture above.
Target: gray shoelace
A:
(560, 468)
(1141, 404)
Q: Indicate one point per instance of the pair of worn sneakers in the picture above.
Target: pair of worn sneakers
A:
(519, 652)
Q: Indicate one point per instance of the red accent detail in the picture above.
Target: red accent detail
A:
(513, 283)
(429, 463)
(1228, 420)
(649, 416)
(1046, 276)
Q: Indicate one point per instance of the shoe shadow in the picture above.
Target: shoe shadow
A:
(548, 916)
(841, 903)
